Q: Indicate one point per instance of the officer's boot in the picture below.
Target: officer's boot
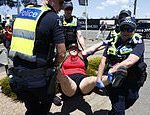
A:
(119, 76)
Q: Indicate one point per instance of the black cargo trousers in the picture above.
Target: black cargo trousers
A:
(126, 95)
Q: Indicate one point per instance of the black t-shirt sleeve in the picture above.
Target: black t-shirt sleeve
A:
(138, 50)
(58, 35)
(50, 27)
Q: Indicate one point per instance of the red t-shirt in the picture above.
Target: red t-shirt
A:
(73, 65)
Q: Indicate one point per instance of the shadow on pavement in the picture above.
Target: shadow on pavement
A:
(77, 103)
(101, 112)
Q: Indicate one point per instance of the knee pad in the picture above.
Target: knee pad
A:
(119, 76)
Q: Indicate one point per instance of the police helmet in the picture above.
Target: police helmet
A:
(124, 13)
(68, 4)
(129, 21)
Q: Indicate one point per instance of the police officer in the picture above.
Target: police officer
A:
(125, 70)
(71, 27)
(122, 15)
(37, 32)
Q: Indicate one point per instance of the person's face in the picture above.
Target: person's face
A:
(68, 12)
(73, 51)
(126, 32)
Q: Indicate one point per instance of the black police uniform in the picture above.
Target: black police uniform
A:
(48, 31)
(125, 96)
(70, 31)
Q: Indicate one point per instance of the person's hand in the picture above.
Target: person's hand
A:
(110, 77)
(114, 68)
(100, 84)
(101, 87)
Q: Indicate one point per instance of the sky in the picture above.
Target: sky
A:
(101, 8)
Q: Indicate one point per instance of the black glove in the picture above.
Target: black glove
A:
(119, 76)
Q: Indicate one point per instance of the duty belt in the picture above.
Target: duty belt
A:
(23, 72)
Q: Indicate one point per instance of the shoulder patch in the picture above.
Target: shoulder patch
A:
(59, 22)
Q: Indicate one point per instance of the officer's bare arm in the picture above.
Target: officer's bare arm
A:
(101, 68)
(81, 39)
(130, 61)
(61, 51)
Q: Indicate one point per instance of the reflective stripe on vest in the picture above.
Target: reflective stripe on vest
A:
(112, 50)
(71, 24)
(136, 39)
(113, 33)
(24, 28)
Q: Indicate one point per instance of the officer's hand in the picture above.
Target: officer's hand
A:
(101, 87)
(110, 77)
(114, 68)
(100, 84)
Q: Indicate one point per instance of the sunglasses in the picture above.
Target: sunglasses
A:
(127, 29)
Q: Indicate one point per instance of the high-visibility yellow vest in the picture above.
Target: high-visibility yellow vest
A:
(70, 31)
(24, 29)
(73, 23)
(112, 50)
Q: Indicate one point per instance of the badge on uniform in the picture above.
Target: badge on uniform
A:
(59, 22)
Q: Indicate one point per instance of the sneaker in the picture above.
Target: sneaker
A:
(98, 91)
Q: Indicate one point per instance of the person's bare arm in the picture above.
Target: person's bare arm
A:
(130, 61)
(101, 68)
(94, 48)
(81, 39)
(60, 53)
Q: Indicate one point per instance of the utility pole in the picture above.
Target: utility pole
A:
(18, 7)
(135, 2)
(86, 18)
